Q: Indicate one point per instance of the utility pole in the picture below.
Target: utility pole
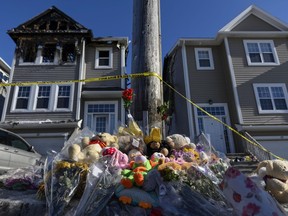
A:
(147, 57)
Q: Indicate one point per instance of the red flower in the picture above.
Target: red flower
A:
(127, 96)
(250, 209)
(236, 197)
(232, 172)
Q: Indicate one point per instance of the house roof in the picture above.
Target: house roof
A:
(52, 14)
(281, 26)
(277, 29)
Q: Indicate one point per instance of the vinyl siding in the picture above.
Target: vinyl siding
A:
(247, 75)
(43, 73)
(91, 72)
(253, 23)
(207, 84)
(180, 120)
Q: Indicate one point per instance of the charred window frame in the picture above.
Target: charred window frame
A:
(48, 53)
(68, 53)
(29, 52)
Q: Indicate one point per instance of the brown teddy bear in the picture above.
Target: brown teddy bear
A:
(275, 175)
(177, 141)
(84, 152)
(107, 138)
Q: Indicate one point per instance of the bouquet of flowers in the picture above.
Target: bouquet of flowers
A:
(61, 181)
(127, 96)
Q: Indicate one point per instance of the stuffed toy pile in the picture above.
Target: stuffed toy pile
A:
(133, 174)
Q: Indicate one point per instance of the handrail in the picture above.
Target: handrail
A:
(257, 150)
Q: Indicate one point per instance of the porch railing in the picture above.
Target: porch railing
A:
(257, 149)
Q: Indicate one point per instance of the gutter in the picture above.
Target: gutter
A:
(81, 72)
(261, 128)
(40, 125)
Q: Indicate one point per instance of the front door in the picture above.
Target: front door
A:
(214, 130)
(220, 137)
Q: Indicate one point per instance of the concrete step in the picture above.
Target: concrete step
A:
(244, 162)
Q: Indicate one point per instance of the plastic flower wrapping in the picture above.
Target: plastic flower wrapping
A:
(26, 178)
(61, 181)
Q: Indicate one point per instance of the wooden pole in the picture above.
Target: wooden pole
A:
(146, 57)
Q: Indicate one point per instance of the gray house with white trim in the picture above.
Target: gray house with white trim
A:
(240, 77)
(53, 47)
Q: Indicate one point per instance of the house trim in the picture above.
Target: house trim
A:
(187, 92)
(233, 80)
(228, 122)
(123, 66)
(271, 137)
(80, 84)
(261, 128)
(101, 94)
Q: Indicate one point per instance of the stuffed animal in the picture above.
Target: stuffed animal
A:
(88, 154)
(128, 142)
(137, 172)
(118, 158)
(275, 174)
(106, 138)
(177, 141)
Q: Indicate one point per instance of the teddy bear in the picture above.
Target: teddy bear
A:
(128, 142)
(177, 141)
(105, 139)
(84, 152)
(275, 175)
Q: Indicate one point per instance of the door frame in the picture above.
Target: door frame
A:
(227, 116)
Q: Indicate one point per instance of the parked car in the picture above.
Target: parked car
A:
(16, 152)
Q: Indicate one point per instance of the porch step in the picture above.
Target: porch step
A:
(244, 162)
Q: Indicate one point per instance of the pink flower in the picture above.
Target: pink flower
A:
(250, 184)
(250, 210)
(232, 172)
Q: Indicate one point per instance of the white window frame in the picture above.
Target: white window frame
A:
(70, 98)
(32, 101)
(97, 66)
(262, 63)
(35, 98)
(269, 85)
(101, 113)
(199, 67)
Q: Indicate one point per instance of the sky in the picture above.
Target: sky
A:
(179, 18)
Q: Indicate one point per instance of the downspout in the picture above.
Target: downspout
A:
(233, 80)
(3, 117)
(123, 72)
(187, 92)
(81, 73)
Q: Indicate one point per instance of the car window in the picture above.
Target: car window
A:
(3, 137)
(17, 143)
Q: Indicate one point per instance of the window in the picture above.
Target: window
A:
(260, 52)
(204, 59)
(63, 100)
(271, 98)
(43, 97)
(68, 53)
(29, 53)
(23, 97)
(48, 53)
(101, 116)
(104, 58)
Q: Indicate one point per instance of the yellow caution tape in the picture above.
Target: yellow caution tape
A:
(139, 75)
